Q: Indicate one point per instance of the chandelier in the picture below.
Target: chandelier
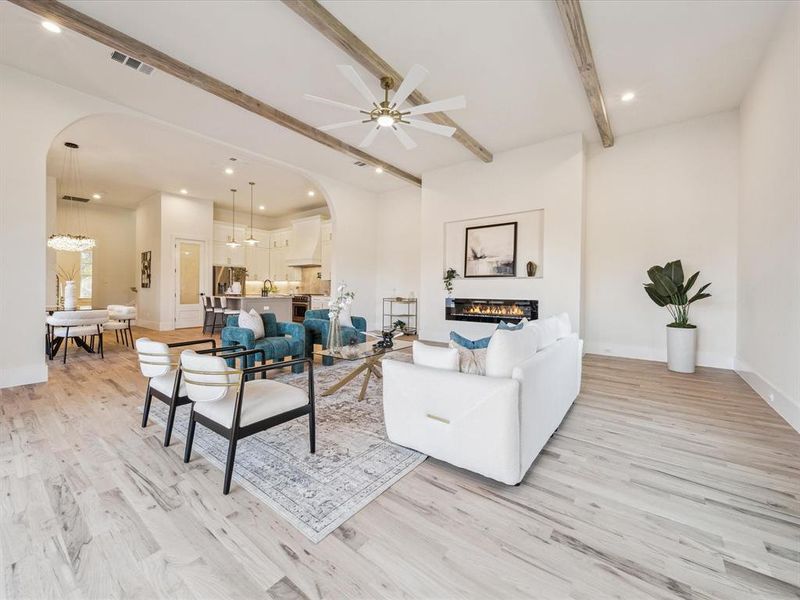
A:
(71, 242)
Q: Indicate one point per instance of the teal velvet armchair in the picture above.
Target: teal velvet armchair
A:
(281, 340)
(317, 325)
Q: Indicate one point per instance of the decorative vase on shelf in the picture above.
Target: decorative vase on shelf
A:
(335, 335)
(70, 298)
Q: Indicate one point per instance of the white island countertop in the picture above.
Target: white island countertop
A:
(279, 304)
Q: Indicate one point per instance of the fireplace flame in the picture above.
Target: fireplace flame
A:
(494, 311)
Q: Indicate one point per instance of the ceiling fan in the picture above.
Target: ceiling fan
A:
(387, 114)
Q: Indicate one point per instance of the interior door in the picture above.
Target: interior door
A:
(189, 282)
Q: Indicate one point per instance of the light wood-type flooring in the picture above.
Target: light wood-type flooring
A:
(657, 485)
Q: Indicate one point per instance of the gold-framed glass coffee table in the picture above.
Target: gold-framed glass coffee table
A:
(371, 365)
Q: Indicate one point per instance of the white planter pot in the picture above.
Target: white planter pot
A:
(70, 296)
(681, 349)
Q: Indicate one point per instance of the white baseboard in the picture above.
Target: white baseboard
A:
(781, 403)
(704, 359)
(23, 375)
(155, 325)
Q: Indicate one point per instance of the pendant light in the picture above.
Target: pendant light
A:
(233, 243)
(251, 241)
(74, 219)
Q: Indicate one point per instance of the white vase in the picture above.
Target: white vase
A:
(70, 298)
(681, 349)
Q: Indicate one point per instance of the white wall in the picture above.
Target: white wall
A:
(32, 112)
(768, 341)
(657, 195)
(183, 218)
(113, 268)
(51, 211)
(148, 238)
(398, 251)
(545, 176)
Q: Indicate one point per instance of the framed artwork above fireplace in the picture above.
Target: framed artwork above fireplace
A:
(491, 250)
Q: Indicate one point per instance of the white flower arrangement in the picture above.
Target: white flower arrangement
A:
(342, 300)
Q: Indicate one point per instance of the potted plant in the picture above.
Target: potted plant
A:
(667, 288)
(399, 325)
(447, 279)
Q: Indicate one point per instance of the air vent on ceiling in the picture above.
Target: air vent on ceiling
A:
(358, 163)
(131, 62)
(75, 198)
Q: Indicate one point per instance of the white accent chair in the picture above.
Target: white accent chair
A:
(164, 377)
(224, 401)
(66, 325)
(494, 426)
(120, 318)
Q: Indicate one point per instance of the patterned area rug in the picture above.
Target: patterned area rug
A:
(316, 493)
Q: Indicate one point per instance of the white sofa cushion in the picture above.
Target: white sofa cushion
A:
(435, 356)
(548, 331)
(252, 321)
(470, 360)
(508, 348)
(263, 398)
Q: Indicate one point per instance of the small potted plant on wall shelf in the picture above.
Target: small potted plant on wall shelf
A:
(667, 289)
(449, 275)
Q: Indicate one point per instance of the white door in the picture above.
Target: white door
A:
(189, 282)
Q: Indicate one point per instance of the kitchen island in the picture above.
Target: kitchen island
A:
(279, 304)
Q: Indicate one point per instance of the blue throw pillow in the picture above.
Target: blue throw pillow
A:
(469, 344)
(509, 327)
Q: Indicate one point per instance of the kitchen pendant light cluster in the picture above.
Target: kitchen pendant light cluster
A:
(233, 243)
(74, 220)
(251, 241)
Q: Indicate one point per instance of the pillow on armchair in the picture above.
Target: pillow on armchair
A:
(252, 321)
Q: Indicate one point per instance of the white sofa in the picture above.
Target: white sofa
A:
(489, 425)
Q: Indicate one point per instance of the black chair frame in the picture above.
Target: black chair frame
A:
(174, 400)
(54, 343)
(236, 432)
(127, 334)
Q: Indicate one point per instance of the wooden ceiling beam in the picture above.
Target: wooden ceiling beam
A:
(572, 18)
(323, 21)
(72, 19)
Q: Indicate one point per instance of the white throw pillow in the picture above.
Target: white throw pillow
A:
(509, 348)
(548, 331)
(564, 325)
(344, 317)
(253, 322)
(435, 356)
(470, 360)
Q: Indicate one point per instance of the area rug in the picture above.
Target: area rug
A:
(316, 493)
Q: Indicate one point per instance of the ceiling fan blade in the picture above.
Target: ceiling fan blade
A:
(369, 137)
(438, 106)
(340, 125)
(335, 103)
(354, 78)
(404, 138)
(432, 127)
(416, 75)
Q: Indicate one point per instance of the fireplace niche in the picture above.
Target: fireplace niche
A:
(491, 310)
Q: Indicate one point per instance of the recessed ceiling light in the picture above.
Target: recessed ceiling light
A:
(50, 26)
(628, 96)
(261, 207)
(379, 170)
(96, 196)
(311, 193)
(228, 171)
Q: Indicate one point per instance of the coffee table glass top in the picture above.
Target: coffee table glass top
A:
(365, 350)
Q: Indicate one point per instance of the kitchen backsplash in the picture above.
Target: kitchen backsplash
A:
(309, 284)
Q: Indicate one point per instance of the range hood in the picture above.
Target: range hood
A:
(304, 250)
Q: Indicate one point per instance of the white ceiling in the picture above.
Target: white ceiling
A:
(509, 58)
(125, 159)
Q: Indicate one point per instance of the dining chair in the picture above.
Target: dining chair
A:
(224, 401)
(219, 313)
(120, 317)
(164, 376)
(76, 325)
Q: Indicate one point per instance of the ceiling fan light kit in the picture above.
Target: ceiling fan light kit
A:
(387, 113)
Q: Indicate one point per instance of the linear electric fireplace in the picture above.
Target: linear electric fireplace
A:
(491, 310)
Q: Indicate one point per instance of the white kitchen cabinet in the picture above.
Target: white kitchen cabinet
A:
(280, 238)
(318, 302)
(228, 257)
(326, 231)
(257, 262)
(279, 270)
(325, 259)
